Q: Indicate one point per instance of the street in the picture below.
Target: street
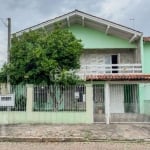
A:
(74, 146)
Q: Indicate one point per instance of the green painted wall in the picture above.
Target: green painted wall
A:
(44, 117)
(93, 39)
(15, 117)
(145, 88)
(145, 98)
(146, 59)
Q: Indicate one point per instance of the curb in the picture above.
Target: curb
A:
(68, 139)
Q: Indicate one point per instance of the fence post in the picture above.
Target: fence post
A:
(107, 102)
(89, 102)
(29, 100)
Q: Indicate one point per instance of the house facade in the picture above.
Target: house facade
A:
(115, 66)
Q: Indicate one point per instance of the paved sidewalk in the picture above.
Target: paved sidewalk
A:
(80, 132)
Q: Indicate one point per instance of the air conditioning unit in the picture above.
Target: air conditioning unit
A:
(7, 100)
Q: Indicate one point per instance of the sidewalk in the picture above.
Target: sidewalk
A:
(77, 133)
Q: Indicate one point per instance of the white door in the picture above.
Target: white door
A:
(108, 62)
(116, 99)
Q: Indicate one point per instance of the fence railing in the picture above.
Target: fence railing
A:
(47, 104)
(14, 98)
(126, 104)
(108, 69)
(59, 98)
(45, 98)
(96, 102)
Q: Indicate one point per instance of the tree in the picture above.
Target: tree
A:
(3, 74)
(37, 56)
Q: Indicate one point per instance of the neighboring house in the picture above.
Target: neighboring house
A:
(145, 92)
(114, 55)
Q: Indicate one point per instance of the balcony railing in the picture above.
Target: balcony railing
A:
(109, 69)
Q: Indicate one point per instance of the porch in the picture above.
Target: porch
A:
(120, 102)
(88, 70)
(110, 61)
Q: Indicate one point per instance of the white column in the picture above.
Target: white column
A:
(29, 98)
(89, 102)
(107, 103)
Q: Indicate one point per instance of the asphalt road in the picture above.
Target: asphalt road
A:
(74, 146)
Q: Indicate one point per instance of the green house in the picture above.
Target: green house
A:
(115, 62)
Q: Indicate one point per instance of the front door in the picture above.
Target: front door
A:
(116, 99)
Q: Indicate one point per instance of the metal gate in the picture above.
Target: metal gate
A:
(126, 103)
(99, 103)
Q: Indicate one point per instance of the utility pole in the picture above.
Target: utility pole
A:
(8, 50)
(9, 40)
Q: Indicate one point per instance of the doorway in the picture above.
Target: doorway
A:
(114, 60)
(99, 103)
(111, 61)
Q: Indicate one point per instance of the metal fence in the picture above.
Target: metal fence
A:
(59, 98)
(125, 104)
(99, 102)
(13, 97)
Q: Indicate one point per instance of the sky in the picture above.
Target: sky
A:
(26, 13)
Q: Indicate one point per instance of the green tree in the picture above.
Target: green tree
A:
(3, 73)
(37, 56)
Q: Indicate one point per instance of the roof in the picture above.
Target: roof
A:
(88, 20)
(119, 77)
(146, 39)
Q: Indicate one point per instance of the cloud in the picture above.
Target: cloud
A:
(114, 9)
(3, 46)
(131, 13)
(26, 13)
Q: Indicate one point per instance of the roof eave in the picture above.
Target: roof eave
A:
(84, 15)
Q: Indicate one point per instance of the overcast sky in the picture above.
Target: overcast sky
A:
(25, 13)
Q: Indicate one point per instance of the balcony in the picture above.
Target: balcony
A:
(86, 70)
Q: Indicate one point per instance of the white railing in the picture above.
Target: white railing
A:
(109, 69)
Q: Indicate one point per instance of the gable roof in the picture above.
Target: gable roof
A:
(87, 20)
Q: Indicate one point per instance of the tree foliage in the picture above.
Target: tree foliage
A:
(37, 56)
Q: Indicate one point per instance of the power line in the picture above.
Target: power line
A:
(4, 22)
(132, 22)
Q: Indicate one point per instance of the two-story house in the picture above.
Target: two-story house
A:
(112, 61)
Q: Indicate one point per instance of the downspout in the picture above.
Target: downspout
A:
(142, 52)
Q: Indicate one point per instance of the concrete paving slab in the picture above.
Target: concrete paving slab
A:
(75, 132)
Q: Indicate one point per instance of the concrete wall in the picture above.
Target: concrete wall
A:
(98, 56)
(29, 116)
